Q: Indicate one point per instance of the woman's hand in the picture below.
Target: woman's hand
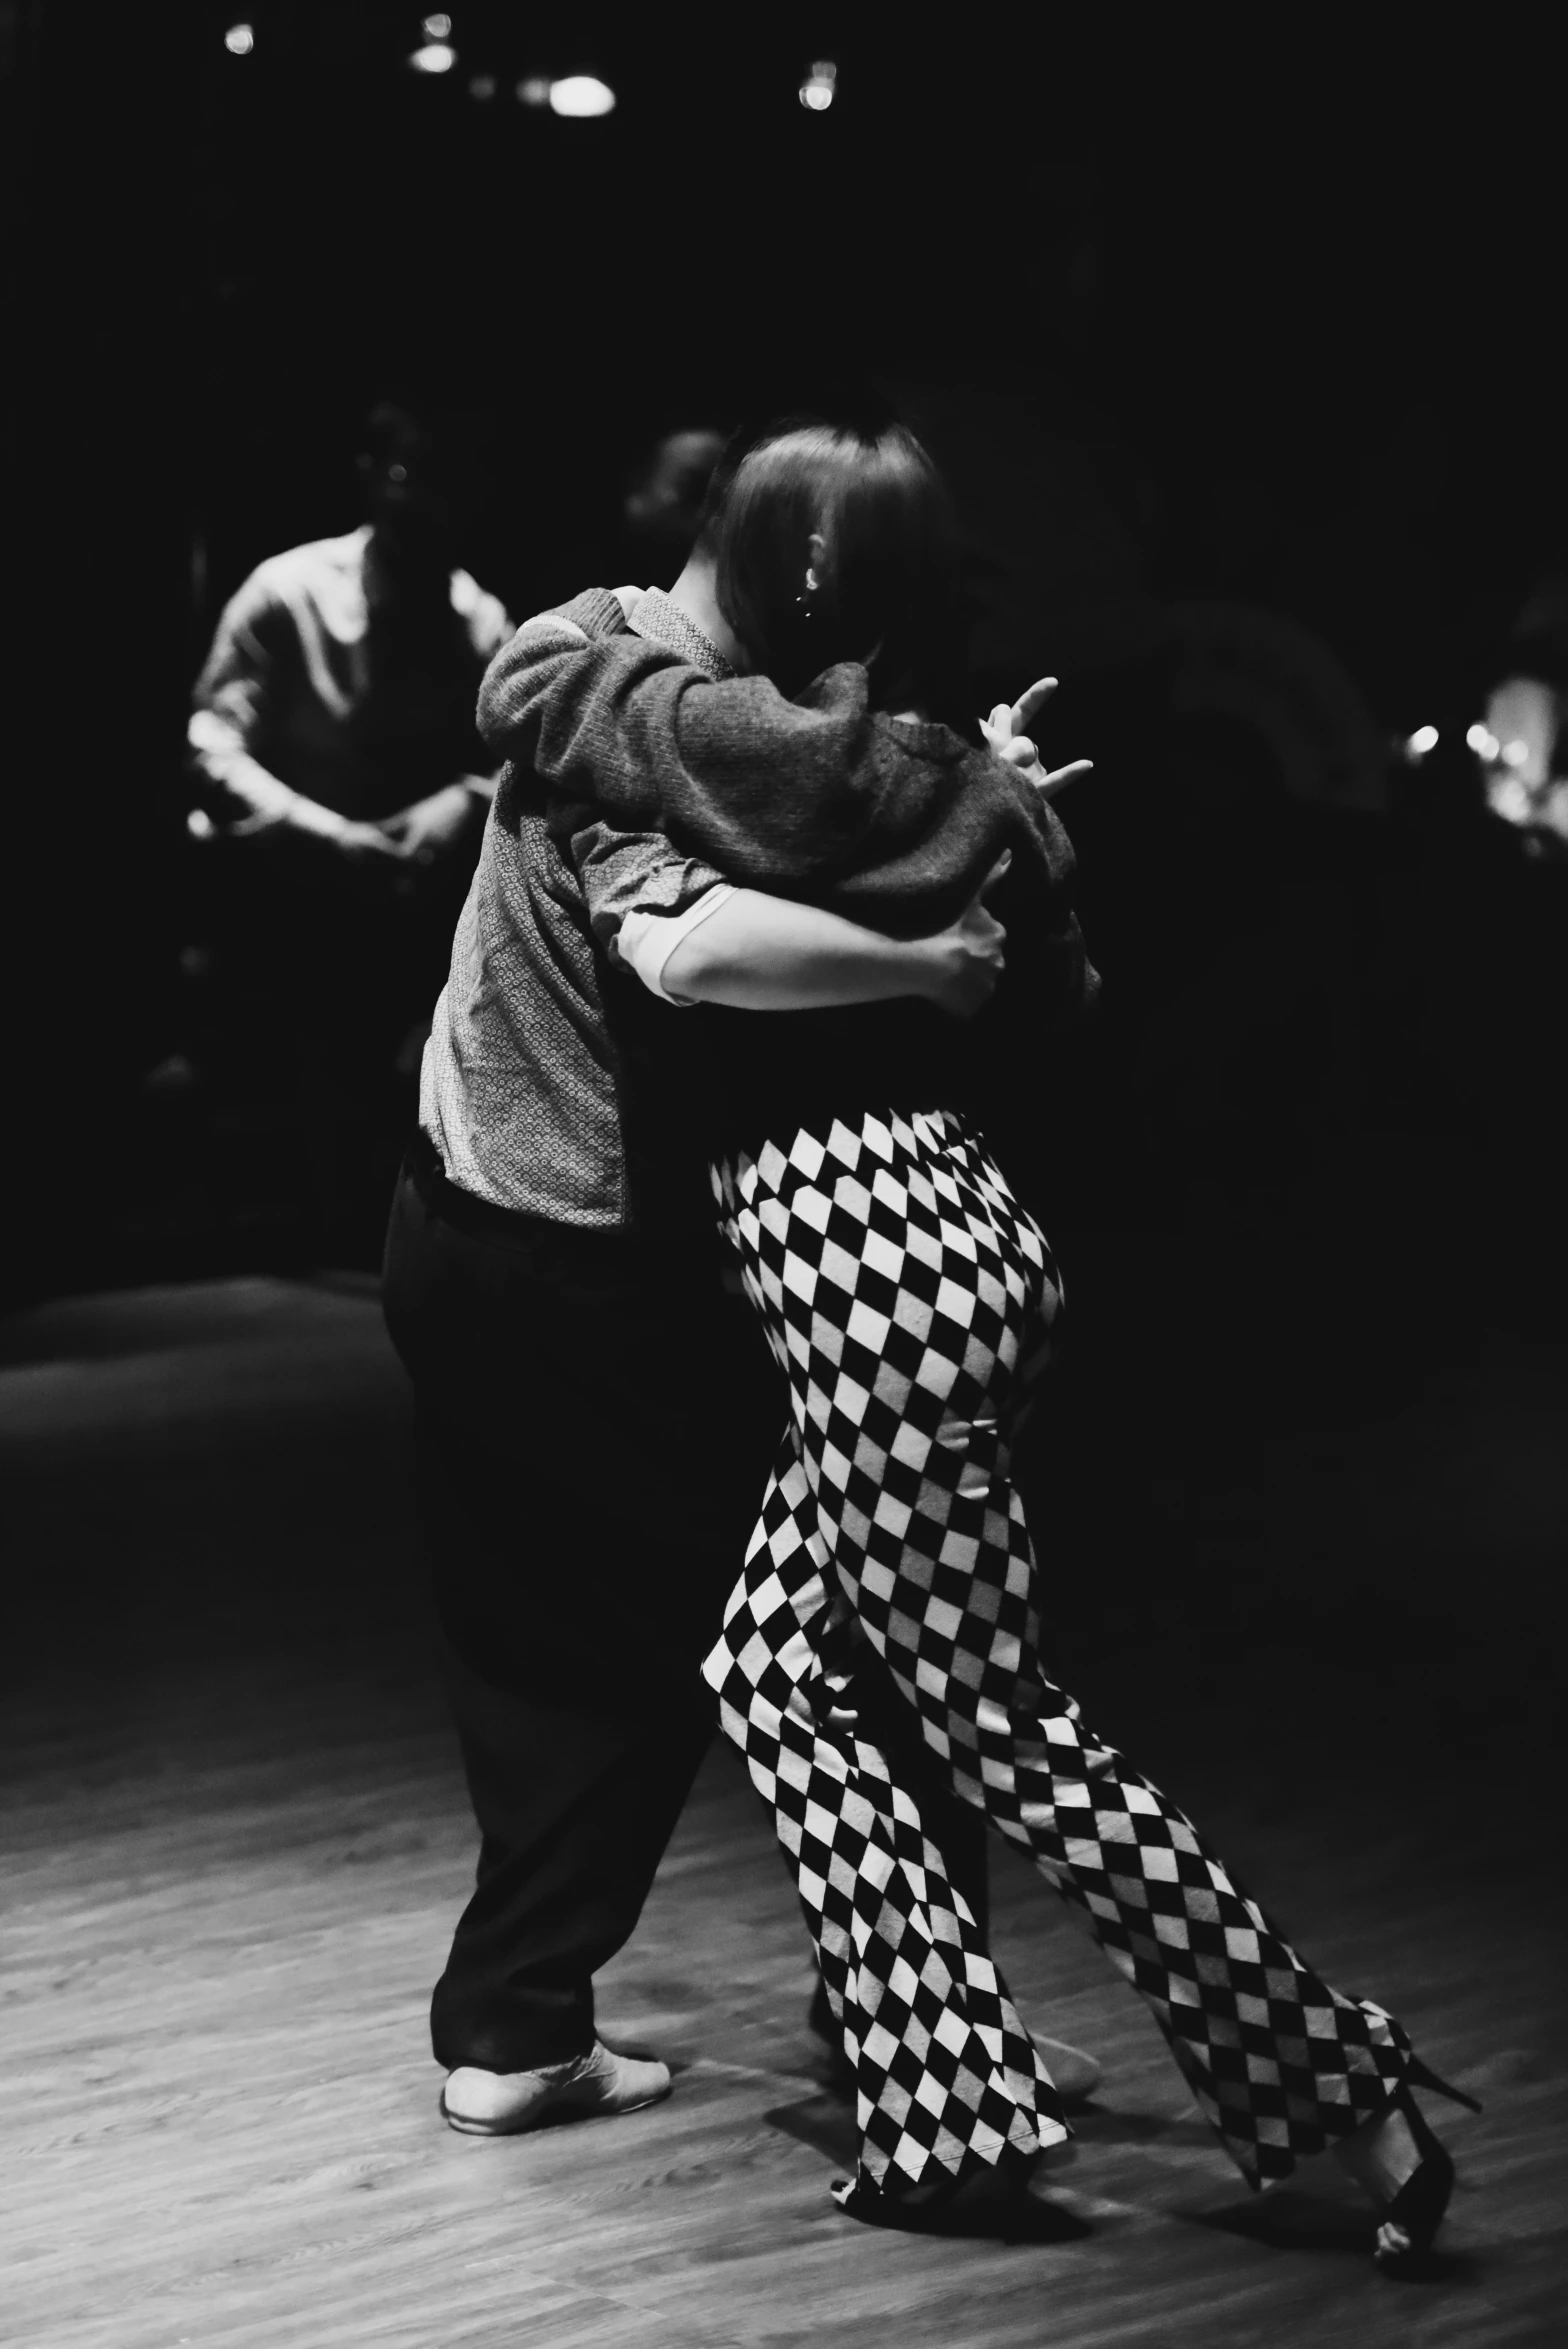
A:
(1007, 732)
(966, 960)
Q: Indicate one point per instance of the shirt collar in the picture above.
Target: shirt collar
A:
(663, 622)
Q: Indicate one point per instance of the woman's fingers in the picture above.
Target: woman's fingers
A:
(1060, 777)
(1010, 719)
(1025, 710)
(1020, 752)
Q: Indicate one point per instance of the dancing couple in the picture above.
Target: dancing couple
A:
(760, 793)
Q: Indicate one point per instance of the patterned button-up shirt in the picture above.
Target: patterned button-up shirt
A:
(528, 1083)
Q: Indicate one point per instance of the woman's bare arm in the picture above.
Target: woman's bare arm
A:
(759, 953)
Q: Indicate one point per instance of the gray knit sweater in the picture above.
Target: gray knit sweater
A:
(890, 822)
(885, 820)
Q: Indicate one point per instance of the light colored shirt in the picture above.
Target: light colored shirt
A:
(292, 702)
(652, 614)
(525, 1088)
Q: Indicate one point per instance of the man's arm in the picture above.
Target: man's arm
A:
(448, 818)
(693, 938)
(776, 794)
(429, 827)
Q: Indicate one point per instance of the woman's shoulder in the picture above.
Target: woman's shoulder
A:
(973, 768)
(974, 764)
(922, 737)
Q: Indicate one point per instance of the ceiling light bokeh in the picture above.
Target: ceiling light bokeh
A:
(818, 88)
(581, 96)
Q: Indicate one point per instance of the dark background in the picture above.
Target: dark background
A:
(1271, 308)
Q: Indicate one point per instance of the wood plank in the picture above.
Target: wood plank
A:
(235, 1837)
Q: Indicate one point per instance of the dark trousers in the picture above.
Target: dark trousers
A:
(307, 1020)
(594, 1419)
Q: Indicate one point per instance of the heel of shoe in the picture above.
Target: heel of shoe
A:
(1418, 2076)
(993, 2202)
(1410, 2219)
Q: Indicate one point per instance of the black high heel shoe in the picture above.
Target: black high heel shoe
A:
(1417, 2076)
(1411, 2217)
(979, 2201)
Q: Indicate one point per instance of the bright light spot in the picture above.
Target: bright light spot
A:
(1507, 797)
(534, 92)
(435, 57)
(1483, 742)
(240, 40)
(581, 95)
(436, 28)
(1421, 741)
(482, 86)
(816, 91)
(1515, 754)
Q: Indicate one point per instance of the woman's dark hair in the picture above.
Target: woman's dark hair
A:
(890, 572)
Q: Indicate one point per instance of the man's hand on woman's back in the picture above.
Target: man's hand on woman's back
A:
(968, 957)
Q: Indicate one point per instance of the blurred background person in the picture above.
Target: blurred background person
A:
(1521, 742)
(342, 791)
(663, 505)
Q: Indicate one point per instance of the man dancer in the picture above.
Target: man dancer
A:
(343, 794)
(586, 1460)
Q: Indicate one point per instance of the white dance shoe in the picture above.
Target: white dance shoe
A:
(587, 2087)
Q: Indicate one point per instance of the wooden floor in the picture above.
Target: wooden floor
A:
(234, 1840)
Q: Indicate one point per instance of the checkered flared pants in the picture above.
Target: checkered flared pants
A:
(909, 1301)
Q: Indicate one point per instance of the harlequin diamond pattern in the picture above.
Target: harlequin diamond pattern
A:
(944, 2067)
(909, 1299)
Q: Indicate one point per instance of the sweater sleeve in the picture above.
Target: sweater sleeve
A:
(626, 873)
(773, 792)
(891, 824)
(817, 797)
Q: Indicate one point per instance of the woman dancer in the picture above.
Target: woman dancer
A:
(911, 1303)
